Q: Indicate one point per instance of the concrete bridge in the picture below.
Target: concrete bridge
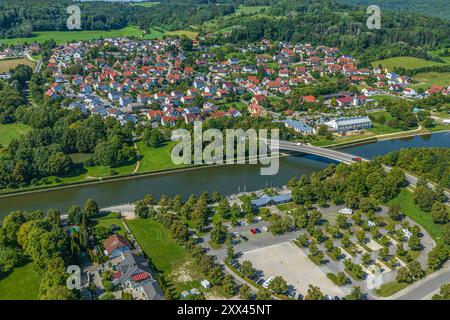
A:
(321, 152)
(341, 157)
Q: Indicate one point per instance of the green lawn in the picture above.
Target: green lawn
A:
(379, 128)
(109, 220)
(154, 159)
(67, 36)
(21, 284)
(405, 200)
(389, 288)
(165, 254)
(405, 62)
(10, 131)
(343, 140)
(383, 97)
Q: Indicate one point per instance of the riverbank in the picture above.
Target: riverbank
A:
(135, 174)
(226, 179)
(384, 137)
(94, 181)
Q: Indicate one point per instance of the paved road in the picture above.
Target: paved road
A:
(425, 287)
(38, 66)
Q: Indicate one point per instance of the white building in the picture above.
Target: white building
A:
(346, 211)
(350, 124)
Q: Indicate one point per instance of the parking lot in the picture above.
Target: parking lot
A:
(290, 262)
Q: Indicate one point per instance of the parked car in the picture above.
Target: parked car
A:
(253, 231)
(265, 228)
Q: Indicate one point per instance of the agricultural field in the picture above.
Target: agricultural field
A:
(405, 62)
(9, 132)
(428, 79)
(6, 65)
(158, 33)
(20, 284)
(67, 36)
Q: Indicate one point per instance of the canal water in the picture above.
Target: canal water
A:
(225, 179)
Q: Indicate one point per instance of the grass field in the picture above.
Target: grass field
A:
(67, 36)
(9, 132)
(154, 33)
(428, 79)
(406, 202)
(6, 65)
(389, 288)
(339, 140)
(21, 284)
(405, 62)
(187, 33)
(251, 9)
(165, 254)
(154, 159)
(158, 33)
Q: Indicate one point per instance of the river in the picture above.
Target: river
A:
(225, 179)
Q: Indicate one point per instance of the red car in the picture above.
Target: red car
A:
(253, 231)
(358, 159)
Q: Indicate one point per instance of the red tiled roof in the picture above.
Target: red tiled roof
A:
(114, 242)
(140, 276)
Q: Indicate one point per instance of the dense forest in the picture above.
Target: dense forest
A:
(334, 24)
(19, 18)
(438, 8)
(430, 163)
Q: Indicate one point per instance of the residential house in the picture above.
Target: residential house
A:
(133, 274)
(115, 245)
(298, 126)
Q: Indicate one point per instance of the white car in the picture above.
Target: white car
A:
(237, 234)
(265, 228)
(299, 143)
(258, 219)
